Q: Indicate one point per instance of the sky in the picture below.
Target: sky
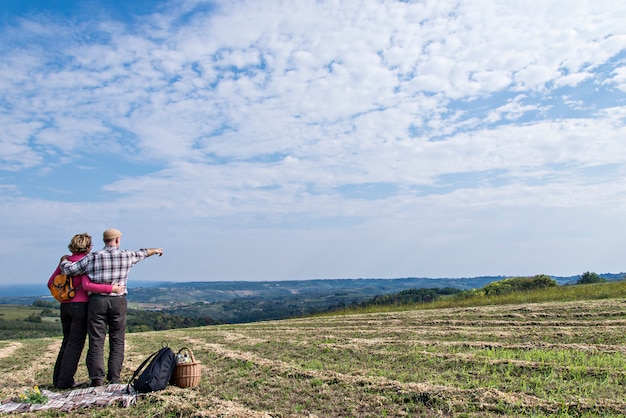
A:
(301, 139)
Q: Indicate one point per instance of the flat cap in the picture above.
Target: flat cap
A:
(110, 234)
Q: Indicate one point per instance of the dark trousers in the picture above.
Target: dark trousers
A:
(74, 323)
(106, 312)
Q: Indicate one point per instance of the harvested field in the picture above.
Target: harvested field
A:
(549, 359)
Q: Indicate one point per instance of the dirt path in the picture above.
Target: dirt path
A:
(27, 376)
(9, 349)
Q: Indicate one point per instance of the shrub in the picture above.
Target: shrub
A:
(588, 277)
(515, 284)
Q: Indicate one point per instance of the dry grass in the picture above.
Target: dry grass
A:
(547, 359)
(9, 349)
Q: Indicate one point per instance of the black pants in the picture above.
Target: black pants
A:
(106, 312)
(74, 323)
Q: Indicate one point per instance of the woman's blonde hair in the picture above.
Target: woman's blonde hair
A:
(81, 243)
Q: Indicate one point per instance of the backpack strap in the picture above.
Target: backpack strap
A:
(73, 289)
(140, 368)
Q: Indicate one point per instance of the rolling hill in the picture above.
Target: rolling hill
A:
(530, 359)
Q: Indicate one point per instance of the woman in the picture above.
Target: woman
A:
(74, 316)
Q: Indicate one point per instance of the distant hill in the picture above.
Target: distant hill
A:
(188, 292)
(342, 291)
(188, 304)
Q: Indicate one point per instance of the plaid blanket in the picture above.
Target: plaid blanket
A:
(114, 394)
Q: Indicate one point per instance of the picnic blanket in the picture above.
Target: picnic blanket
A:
(114, 394)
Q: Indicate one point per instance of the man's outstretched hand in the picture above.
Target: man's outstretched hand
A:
(153, 251)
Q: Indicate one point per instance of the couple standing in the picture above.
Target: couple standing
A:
(99, 304)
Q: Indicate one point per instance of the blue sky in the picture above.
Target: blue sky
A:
(302, 139)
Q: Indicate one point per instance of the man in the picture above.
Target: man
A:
(110, 266)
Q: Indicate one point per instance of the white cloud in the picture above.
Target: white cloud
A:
(247, 120)
(619, 78)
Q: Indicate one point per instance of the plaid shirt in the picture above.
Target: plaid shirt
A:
(109, 265)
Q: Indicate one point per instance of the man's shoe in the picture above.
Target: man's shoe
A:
(80, 385)
(95, 382)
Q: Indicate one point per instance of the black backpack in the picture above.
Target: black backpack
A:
(158, 373)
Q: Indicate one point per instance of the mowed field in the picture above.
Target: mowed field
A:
(546, 359)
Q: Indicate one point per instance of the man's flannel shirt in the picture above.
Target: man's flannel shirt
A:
(109, 265)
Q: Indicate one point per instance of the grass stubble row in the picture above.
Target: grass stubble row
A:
(545, 359)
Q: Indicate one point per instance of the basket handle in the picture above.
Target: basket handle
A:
(193, 360)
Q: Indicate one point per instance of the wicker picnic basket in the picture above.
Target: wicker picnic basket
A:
(187, 373)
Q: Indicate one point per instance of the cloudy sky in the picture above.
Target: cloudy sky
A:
(302, 139)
